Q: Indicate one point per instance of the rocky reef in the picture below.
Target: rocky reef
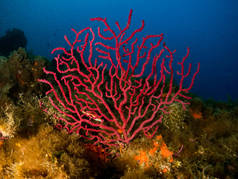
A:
(201, 142)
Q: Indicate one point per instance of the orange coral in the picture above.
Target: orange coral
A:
(144, 158)
(165, 152)
(197, 115)
(1, 142)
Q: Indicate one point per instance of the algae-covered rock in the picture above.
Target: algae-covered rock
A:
(19, 74)
(12, 40)
(201, 142)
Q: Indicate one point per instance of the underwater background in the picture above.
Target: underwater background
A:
(209, 28)
(200, 141)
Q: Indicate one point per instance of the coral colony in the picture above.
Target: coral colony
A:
(111, 85)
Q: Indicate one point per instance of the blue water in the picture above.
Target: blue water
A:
(208, 27)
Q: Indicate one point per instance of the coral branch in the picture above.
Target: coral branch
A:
(109, 93)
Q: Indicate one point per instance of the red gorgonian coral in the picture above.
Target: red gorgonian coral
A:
(111, 85)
